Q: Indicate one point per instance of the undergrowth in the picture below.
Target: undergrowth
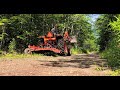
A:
(17, 56)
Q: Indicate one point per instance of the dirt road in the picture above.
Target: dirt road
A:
(75, 65)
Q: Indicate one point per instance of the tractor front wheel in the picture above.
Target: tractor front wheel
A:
(27, 51)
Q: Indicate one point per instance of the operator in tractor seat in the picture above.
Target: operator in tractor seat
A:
(55, 29)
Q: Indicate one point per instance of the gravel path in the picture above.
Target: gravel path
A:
(75, 65)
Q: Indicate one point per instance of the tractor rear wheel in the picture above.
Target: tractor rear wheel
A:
(27, 51)
(68, 54)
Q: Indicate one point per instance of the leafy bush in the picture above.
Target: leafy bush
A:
(76, 50)
(115, 72)
(113, 56)
(12, 46)
(90, 45)
(10, 56)
(112, 52)
(84, 50)
(0, 52)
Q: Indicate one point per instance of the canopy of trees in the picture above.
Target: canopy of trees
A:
(17, 31)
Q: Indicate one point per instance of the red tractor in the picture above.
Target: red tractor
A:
(59, 44)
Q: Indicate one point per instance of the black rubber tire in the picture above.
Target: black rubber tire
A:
(68, 49)
(27, 51)
(68, 54)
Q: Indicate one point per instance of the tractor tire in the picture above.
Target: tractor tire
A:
(27, 51)
(68, 54)
(60, 45)
(68, 49)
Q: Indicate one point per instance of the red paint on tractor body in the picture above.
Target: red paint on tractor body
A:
(37, 48)
(48, 47)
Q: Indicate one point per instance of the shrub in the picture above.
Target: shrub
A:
(76, 50)
(12, 46)
(0, 52)
(112, 54)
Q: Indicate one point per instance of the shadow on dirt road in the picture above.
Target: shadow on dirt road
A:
(78, 61)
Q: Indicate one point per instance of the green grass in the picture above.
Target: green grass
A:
(75, 51)
(115, 73)
(99, 68)
(17, 56)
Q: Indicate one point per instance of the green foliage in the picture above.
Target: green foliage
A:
(1, 24)
(115, 73)
(76, 50)
(113, 57)
(0, 52)
(3, 35)
(12, 56)
(90, 45)
(112, 53)
(105, 31)
(12, 46)
(25, 28)
(99, 68)
(82, 28)
(84, 50)
(3, 21)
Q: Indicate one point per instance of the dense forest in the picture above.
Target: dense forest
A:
(17, 31)
(108, 27)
